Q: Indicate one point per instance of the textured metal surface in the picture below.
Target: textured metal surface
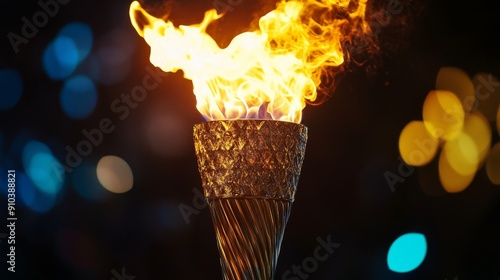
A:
(257, 158)
(249, 233)
(250, 171)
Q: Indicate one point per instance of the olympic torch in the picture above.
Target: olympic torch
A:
(251, 148)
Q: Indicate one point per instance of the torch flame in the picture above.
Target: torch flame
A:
(269, 73)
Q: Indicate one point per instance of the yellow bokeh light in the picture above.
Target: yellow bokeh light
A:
(487, 94)
(115, 174)
(416, 146)
(462, 154)
(476, 126)
(493, 164)
(443, 114)
(451, 180)
(457, 81)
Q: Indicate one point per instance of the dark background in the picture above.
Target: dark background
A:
(353, 141)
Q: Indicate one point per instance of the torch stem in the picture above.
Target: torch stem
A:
(249, 232)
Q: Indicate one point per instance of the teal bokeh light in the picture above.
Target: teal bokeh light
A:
(31, 149)
(41, 167)
(407, 252)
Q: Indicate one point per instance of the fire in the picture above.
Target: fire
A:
(268, 73)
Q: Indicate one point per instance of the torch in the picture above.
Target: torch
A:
(250, 150)
(249, 170)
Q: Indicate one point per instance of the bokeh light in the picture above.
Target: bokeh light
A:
(451, 180)
(115, 174)
(493, 164)
(35, 199)
(60, 58)
(462, 153)
(78, 97)
(488, 96)
(407, 252)
(416, 146)
(81, 36)
(31, 149)
(443, 114)
(85, 182)
(476, 126)
(26, 188)
(40, 165)
(11, 86)
(63, 55)
(457, 81)
(43, 174)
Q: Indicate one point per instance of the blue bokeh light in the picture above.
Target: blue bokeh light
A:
(40, 166)
(78, 97)
(407, 252)
(31, 196)
(66, 52)
(41, 170)
(81, 35)
(31, 149)
(63, 55)
(11, 86)
(26, 189)
(60, 58)
(85, 182)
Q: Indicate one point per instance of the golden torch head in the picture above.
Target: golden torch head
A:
(250, 158)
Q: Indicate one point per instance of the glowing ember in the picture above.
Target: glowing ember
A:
(269, 73)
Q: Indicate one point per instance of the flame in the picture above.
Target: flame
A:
(268, 73)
